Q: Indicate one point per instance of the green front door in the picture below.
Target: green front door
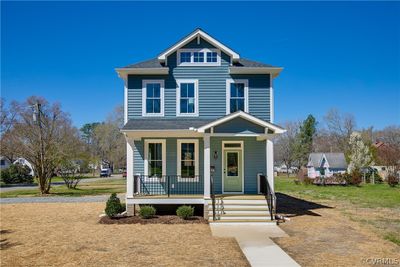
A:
(233, 171)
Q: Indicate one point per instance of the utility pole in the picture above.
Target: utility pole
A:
(37, 116)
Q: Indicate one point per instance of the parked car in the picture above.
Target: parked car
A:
(105, 172)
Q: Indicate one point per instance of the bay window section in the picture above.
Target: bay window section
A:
(188, 160)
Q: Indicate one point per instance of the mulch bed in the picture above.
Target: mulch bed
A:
(164, 219)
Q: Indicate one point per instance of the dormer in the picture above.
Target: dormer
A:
(198, 49)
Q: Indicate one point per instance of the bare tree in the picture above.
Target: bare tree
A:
(339, 128)
(285, 145)
(109, 141)
(45, 142)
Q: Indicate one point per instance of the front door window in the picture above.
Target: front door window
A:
(233, 172)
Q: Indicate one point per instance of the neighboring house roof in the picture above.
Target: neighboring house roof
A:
(143, 124)
(335, 160)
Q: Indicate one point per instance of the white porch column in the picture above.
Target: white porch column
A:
(269, 148)
(206, 166)
(129, 167)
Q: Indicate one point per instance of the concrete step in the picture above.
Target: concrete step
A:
(244, 222)
(240, 201)
(252, 212)
(239, 207)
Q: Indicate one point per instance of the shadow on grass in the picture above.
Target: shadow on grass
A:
(4, 243)
(292, 206)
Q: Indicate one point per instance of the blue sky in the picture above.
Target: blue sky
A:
(343, 55)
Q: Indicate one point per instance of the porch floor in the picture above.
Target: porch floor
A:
(199, 196)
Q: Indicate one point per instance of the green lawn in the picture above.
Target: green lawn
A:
(373, 205)
(368, 195)
(106, 186)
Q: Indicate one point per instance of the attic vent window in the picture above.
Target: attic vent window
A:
(198, 57)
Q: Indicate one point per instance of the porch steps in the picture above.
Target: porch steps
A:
(239, 209)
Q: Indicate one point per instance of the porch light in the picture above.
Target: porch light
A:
(215, 155)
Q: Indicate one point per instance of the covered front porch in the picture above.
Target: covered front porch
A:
(232, 155)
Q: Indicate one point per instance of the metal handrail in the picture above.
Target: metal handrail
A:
(167, 185)
(269, 194)
(212, 193)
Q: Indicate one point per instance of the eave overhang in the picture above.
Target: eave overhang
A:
(255, 70)
(124, 72)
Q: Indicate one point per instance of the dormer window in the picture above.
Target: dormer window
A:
(212, 56)
(199, 57)
(185, 57)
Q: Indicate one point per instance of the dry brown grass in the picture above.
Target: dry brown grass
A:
(323, 236)
(68, 234)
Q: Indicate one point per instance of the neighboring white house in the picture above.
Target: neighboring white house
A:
(4, 162)
(326, 164)
(24, 162)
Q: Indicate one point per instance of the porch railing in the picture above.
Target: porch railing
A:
(269, 194)
(212, 193)
(167, 185)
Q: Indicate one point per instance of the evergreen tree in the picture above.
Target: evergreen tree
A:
(305, 140)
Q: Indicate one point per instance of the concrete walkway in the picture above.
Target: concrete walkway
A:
(254, 240)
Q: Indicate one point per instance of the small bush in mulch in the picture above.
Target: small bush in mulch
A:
(114, 206)
(185, 212)
(147, 212)
(165, 219)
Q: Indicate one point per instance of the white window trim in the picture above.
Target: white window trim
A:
(196, 158)
(178, 98)
(144, 96)
(146, 161)
(223, 163)
(228, 94)
(204, 51)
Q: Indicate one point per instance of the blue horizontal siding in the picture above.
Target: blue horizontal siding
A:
(254, 162)
(212, 88)
(238, 125)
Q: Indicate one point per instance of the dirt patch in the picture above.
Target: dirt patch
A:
(165, 219)
(68, 234)
(321, 235)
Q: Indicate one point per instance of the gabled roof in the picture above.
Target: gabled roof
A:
(196, 34)
(243, 115)
(335, 160)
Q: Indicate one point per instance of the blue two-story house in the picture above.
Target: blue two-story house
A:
(198, 125)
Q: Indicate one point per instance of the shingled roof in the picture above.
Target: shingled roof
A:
(155, 63)
(335, 160)
(143, 124)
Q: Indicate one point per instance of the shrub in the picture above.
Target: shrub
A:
(392, 180)
(16, 174)
(356, 178)
(185, 212)
(113, 206)
(147, 212)
(307, 180)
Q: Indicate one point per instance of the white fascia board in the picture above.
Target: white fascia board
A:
(123, 72)
(255, 70)
(245, 116)
(205, 36)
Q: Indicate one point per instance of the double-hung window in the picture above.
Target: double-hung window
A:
(187, 98)
(188, 160)
(237, 96)
(155, 159)
(153, 98)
